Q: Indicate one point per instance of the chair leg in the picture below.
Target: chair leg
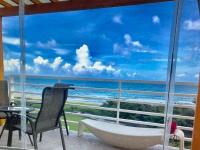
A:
(65, 120)
(2, 131)
(20, 135)
(30, 139)
(61, 134)
(40, 137)
(35, 141)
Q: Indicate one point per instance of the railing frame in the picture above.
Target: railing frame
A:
(118, 100)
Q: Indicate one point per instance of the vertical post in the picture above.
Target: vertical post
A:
(196, 126)
(1, 52)
(10, 86)
(1, 60)
(118, 100)
(171, 70)
(22, 72)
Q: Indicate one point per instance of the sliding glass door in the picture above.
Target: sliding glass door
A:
(14, 110)
(122, 61)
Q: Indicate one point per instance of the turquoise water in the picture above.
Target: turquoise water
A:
(114, 85)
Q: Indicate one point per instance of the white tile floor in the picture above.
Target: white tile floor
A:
(51, 141)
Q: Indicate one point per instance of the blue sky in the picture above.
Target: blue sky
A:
(130, 42)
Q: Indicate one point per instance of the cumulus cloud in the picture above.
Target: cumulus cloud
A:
(47, 45)
(117, 19)
(83, 59)
(40, 61)
(66, 67)
(129, 41)
(192, 25)
(130, 46)
(85, 64)
(99, 66)
(137, 44)
(13, 65)
(56, 63)
(155, 19)
(13, 41)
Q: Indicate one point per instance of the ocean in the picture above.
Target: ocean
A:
(100, 96)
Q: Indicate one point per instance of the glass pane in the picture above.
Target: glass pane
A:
(15, 107)
(187, 73)
(116, 58)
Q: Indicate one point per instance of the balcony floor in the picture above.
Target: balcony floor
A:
(51, 141)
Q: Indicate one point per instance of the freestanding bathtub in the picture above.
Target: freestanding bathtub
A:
(124, 136)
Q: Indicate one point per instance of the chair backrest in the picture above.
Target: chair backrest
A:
(4, 99)
(53, 100)
(64, 85)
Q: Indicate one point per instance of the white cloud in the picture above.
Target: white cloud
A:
(49, 44)
(98, 66)
(66, 66)
(131, 74)
(84, 63)
(40, 61)
(129, 41)
(137, 44)
(156, 19)
(83, 59)
(13, 65)
(117, 19)
(56, 63)
(61, 51)
(192, 24)
(13, 41)
(130, 46)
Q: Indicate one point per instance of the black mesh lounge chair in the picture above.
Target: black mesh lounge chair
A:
(58, 85)
(67, 86)
(53, 100)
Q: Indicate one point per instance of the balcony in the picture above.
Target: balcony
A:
(87, 142)
(146, 106)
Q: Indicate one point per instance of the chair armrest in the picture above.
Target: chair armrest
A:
(31, 116)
